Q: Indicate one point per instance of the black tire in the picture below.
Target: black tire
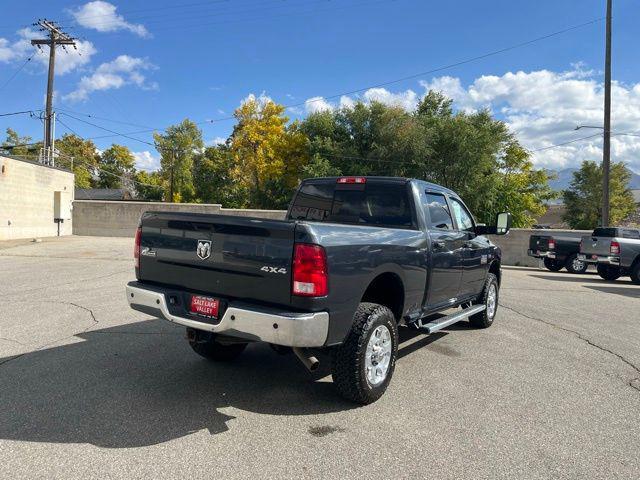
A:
(635, 273)
(573, 265)
(552, 264)
(485, 318)
(609, 272)
(349, 369)
(207, 347)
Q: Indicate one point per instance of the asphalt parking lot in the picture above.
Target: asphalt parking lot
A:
(92, 389)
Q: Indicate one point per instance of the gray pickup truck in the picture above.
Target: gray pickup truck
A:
(615, 251)
(356, 258)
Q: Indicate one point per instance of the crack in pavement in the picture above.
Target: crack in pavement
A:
(84, 280)
(633, 383)
(94, 321)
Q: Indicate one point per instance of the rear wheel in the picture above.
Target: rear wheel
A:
(609, 272)
(574, 265)
(553, 264)
(205, 345)
(488, 297)
(363, 365)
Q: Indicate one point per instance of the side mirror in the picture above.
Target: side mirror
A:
(503, 223)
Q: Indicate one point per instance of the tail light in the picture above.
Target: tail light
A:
(136, 248)
(310, 278)
(552, 243)
(615, 248)
(351, 180)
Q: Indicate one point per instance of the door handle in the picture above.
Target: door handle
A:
(438, 244)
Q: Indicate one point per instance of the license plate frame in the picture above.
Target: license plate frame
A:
(203, 306)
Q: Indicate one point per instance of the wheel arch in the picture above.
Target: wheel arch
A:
(387, 289)
(494, 268)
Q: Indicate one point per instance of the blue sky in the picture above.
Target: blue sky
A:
(154, 64)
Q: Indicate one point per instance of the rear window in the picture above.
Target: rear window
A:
(605, 232)
(369, 204)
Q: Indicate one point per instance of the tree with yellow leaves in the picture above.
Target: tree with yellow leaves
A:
(268, 153)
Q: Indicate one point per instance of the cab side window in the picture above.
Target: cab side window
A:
(462, 216)
(439, 213)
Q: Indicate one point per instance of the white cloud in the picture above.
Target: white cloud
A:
(216, 141)
(407, 100)
(102, 16)
(124, 70)
(145, 160)
(317, 104)
(543, 107)
(67, 59)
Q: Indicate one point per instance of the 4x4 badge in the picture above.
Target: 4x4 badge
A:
(203, 250)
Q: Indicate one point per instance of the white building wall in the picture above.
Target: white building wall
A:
(27, 192)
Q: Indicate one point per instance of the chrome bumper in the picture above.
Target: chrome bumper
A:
(538, 254)
(604, 259)
(281, 328)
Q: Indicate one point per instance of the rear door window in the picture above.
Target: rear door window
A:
(631, 234)
(380, 204)
(439, 213)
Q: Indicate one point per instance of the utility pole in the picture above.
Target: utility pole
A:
(606, 146)
(55, 37)
(173, 162)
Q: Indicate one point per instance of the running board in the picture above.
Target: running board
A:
(444, 322)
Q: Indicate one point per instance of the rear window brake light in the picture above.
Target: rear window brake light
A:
(351, 180)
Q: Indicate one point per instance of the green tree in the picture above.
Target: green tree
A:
(268, 153)
(117, 167)
(178, 146)
(213, 179)
(583, 198)
(79, 155)
(20, 146)
(149, 185)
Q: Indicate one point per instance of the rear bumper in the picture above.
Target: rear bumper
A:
(604, 259)
(539, 254)
(240, 320)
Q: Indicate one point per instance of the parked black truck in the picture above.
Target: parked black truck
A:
(355, 258)
(557, 252)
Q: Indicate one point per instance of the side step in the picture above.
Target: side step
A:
(444, 322)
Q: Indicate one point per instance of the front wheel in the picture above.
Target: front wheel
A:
(575, 265)
(488, 297)
(363, 365)
(553, 264)
(609, 272)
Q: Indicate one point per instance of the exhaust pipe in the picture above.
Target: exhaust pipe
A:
(307, 359)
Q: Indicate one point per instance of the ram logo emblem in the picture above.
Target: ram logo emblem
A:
(203, 250)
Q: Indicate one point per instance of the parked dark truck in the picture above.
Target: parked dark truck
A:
(614, 251)
(557, 252)
(355, 258)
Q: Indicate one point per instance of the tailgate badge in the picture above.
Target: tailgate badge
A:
(203, 250)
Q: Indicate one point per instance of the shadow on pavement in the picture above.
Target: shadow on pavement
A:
(580, 278)
(141, 384)
(633, 292)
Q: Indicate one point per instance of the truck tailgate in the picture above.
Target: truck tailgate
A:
(539, 242)
(226, 256)
(596, 245)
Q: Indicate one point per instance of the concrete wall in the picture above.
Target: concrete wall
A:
(27, 191)
(120, 219)
(514, 245)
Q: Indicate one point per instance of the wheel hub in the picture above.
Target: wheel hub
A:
(378, 355)
(492, 300)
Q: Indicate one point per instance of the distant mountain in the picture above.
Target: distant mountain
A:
(565, 176)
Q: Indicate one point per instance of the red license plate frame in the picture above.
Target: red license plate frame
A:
(204, 306)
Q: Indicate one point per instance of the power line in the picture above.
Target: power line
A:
(565, 143)
(111, 131)
(88, 115)
(16, 72)
(383, 84)
(31, 112)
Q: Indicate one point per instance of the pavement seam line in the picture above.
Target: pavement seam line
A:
(633, 383)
